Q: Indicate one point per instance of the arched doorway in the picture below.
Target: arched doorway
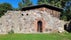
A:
(39, 26)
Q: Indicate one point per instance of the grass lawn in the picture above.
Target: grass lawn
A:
(53, 36)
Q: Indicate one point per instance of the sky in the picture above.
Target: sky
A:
(14, 3)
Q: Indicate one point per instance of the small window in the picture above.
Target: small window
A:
(22, 14)
(0, 23)
(27, 14)
(50, 29)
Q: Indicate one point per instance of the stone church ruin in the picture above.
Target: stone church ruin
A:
(34, 19)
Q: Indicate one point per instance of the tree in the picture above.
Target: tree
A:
(20, 4)
(58, 3)
(68, 10)
(43, 1)
(26, 3)
(4, 7)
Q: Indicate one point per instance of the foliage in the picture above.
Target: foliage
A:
(20, 4)
(4, 7)
(58, 3)
(25, 3)
(11, 32)
(64, 18)
(68, 10)
(42, 1)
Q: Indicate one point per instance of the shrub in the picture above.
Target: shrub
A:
(11, 32)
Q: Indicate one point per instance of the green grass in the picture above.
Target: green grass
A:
(53, 36)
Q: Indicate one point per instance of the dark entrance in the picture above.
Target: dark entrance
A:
(39, 26)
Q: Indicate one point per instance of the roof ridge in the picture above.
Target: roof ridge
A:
(42, 5)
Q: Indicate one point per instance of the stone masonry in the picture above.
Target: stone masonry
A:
(26, 22)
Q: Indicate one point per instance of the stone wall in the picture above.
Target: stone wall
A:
(25, 22)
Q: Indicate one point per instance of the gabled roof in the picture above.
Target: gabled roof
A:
(42, 5)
